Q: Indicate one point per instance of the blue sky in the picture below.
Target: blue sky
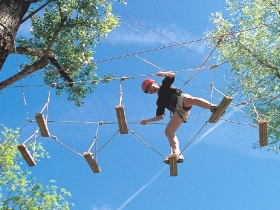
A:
(221, 170)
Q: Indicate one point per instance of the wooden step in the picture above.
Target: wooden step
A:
(220, 109)
(42, 125)
(26, 155)
(121, 119)
(91, 161)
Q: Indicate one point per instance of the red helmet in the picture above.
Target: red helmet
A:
(146, 83)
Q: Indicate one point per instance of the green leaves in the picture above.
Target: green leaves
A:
(71, 29)
(251, 46)
(18, 189)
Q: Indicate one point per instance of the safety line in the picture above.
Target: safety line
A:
(194, 137)
(155, 40)
(133, 132)
(106, 142)
(64, 145)
(146, 61)
(95, 138)
(241, 123)
(205, 60)
(137, 21)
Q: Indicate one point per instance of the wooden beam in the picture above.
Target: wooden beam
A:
(220, 109)
(42, 125)
(121, 119)
(263, 132)
(92, 163)
(173, 164)
(26, 155)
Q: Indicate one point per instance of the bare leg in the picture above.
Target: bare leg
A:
(170, 130)
(190, 101)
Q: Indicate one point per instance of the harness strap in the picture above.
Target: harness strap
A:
(173, 102)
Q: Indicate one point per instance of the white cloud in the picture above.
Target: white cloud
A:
(127, 36)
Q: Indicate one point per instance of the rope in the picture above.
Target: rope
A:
(47, 103)
(188, 42)
(55, 138)
(198, 115)
(35, 133)
(121, 94)
(95, 138)
(241, 123)
(202, 91)
(135, 55)
(122, 78)
(79, 122)
(34, 146)
(106, 143)
(133, 132)
(205, 60)
(155, 123)
(22, 89)
(255, 109)
(154, 40)
(194, 137)
(178, 44)
(212, 85)
(156, 32)
(16, 134)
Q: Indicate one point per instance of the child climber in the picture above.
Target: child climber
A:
(178, 103)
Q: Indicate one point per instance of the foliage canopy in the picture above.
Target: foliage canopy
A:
(70, 29)
(251, 46)
(18, 189)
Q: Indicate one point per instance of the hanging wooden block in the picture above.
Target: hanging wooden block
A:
(92, 163)
(173, 164)
(220, 109)
(26, 155)
(42, 125)
(263, 132)
(121, 119)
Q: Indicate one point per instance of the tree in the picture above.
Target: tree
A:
(18, 189)
(250, 45)
(63, 36)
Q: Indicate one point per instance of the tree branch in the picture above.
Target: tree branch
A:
(30, 69)
(55, 35)
(37, 10)
(30, 51)
(61, 71)
(259, 60)
(50, 57)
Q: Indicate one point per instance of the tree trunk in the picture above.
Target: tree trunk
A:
(11, 14)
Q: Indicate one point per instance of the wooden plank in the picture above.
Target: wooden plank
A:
(173, 164)
(26, 155)
(92, 163)
(121, 119)
(42, 125)
(263, 132)
(220, 109)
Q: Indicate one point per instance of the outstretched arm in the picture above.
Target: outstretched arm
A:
(154, 119)
(166, 74)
